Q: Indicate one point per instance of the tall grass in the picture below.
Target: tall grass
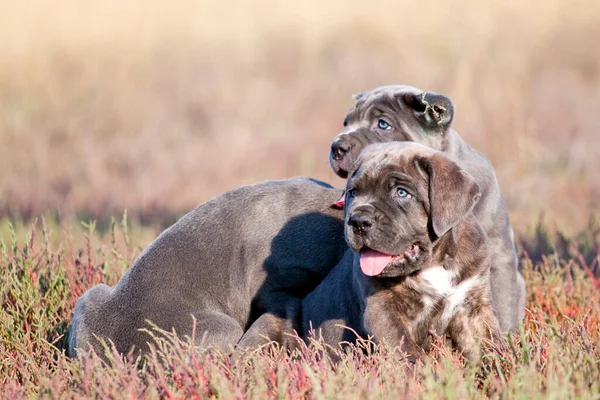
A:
(555, 355)
(157, 106)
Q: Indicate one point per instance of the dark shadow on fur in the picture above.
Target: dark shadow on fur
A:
(283, 273)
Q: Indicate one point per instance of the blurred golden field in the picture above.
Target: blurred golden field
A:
(157, 106)
(154, 107)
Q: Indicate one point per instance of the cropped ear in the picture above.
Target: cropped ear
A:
(434, 111)
(452, 192)
(358, 96)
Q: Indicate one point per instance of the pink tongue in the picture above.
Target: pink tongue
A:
(373, 262)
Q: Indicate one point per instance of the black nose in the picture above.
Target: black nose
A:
(339, 150)
(361, 223)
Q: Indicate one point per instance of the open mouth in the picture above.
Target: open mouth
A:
(342, 173)
(338, 167)
(373, 262)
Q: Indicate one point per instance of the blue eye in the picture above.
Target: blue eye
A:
(403, 194)
(382, 124)
(353, 193)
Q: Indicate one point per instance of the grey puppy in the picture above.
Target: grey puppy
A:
(244, 259)
(230, 260)
(404, 113)
(419, 261)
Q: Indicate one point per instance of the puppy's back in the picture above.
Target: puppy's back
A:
(216, 259)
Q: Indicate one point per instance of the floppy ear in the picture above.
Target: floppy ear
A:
(452, 192)
(434, 111)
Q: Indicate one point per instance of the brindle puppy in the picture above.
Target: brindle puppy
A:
(403, 113)
(419, 260)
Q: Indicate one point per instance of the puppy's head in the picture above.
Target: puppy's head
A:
(400, 198)
(391, 113)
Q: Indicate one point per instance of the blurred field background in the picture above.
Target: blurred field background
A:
(155, 107)
(158, 106)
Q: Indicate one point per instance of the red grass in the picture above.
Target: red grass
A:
(556, 353)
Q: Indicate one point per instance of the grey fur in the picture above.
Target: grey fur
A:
(426, 118)
(246, 258)
(246, 252)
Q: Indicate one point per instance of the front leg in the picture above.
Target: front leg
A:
(274, 326)
(507, 286)
(473, 323)
(389, 326)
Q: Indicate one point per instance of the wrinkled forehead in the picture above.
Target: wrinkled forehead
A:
(378, 158)
(383, 94)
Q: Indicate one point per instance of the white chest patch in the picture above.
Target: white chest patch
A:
(438, 286)
(437, 279)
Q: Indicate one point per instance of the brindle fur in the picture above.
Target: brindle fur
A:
(400, 305)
